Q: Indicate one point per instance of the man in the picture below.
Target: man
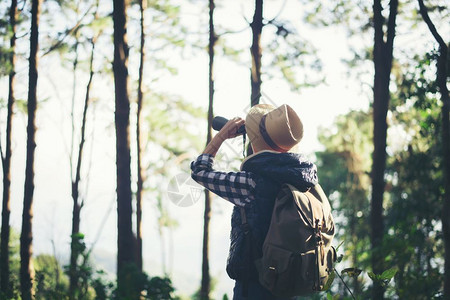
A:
(273, 132)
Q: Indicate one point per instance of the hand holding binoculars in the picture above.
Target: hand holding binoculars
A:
(218, 122)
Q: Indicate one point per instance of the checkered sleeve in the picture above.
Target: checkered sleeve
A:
(236, 187)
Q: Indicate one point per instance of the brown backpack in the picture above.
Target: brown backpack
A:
(297, 252)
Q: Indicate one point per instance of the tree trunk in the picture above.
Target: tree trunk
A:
(26, 237)
(77, 202)
(6, 162)
(383, 63)
(256, 54)
(140, 173)
(125, 240)
(441, 80)
(446, 166)
(255, 50)
(205, 288)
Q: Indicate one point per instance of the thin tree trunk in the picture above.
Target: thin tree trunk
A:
(125, 240)
(255, 50)
(205, 288)
(26, 237)
(77, 202)
(441, 79)
(140, 179)
(6, 161)
(162, 239)
(72, 112)
(383, 63)
(256, 54)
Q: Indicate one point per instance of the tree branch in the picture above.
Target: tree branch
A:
(279, 12)
(68, 32)
(424, 12)
(1, 154)
(393, 9)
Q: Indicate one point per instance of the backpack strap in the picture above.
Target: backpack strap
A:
(244, 223)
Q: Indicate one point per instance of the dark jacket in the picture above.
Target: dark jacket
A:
(270, 170)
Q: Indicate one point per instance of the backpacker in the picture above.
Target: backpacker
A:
(297, 252)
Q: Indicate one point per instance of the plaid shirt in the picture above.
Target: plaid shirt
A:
(236, 187)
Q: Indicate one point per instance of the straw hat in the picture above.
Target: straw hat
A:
(270, 128)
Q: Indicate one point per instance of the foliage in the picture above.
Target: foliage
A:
(412, 244)
(290, 55)
(14, 266)
(103, 287)
(153, 288)
(353, 272)
(160, 289)
(5, 36)
(343, 172)
(50, 284)
(356, 19)
(414, 237)
(384, 277)
(82, 270)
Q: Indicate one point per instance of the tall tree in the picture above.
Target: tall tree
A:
(382, 58)
(256, 54)
(6, 160)
(78, 201)
(125, 239)
(205, 288)
(26, 237)
(441, 80)
(140, 170)
(255, 50)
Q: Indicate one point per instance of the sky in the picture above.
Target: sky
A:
(317, 107)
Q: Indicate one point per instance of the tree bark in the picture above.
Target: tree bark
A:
(125, 240)
(446, 166)
(382, 54)
(77, 202)
(140, 173)
(26, 237)
(6, 161)
(441, 80)
(256, 54)
(255, 50)
(205, 288)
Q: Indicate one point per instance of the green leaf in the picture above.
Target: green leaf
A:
(329, 296)
(373, 276)
(351, 272)
(329, 282)
(389, 274)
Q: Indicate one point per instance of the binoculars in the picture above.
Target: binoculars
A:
(219, 122)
